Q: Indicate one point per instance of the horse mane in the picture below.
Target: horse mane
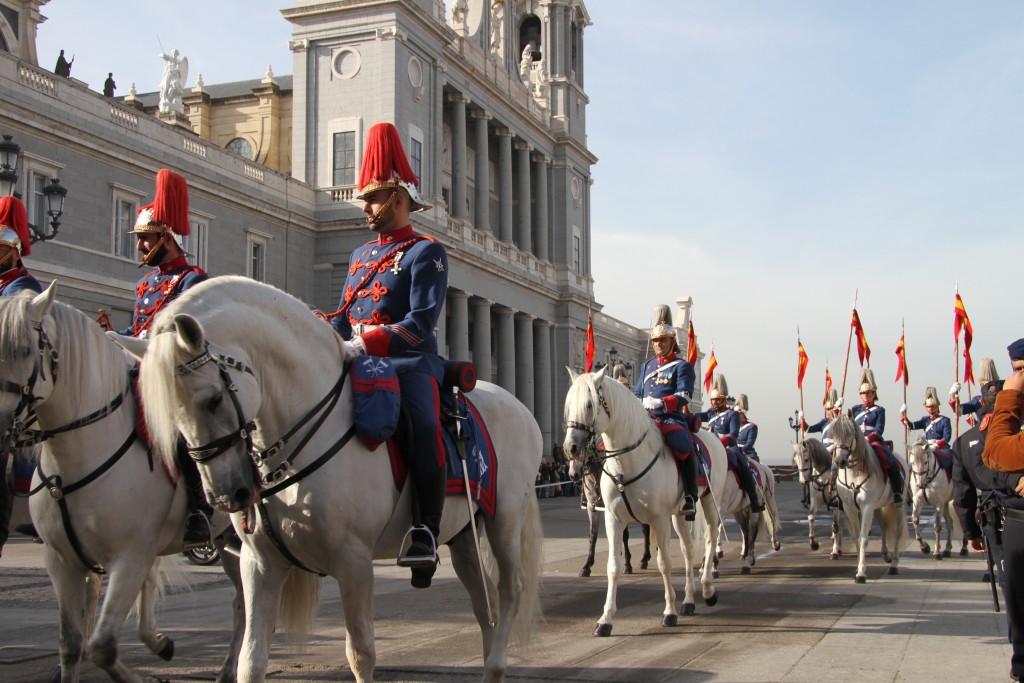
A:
(236, 304)
(821, 459)
(845, 430)
(82, 346)
(621, 401)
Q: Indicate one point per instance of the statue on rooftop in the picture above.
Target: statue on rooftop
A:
(172, 84)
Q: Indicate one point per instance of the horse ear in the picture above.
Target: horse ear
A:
(133, 345)
(602, 373)
(572, 374)
(42, 302)
(190, 333)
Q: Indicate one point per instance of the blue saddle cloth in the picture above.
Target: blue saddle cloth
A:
(944, 457)
(481, 462)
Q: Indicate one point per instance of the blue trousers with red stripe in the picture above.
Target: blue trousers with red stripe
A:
(419, 377)
(677, 436)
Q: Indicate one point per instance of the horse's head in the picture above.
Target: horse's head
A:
(209, 395)
(586, 412)
(851, 448)
(802, 460)
(920, 454)
(29, 364)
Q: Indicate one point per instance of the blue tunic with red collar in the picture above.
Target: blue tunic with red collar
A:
(18, 279)
(394, 292)
(157, 288)
(746, 440)
(725, 422)
(935, 429)
(871, 419)
(671, 379)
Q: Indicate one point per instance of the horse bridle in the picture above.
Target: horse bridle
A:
(928, 476)
(592, 436)
(24, 415)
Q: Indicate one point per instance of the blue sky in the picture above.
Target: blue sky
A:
(767, 159)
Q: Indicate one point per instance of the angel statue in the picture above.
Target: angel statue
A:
(173, 82)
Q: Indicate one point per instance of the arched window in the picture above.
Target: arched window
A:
(241, 147)
(530, 32)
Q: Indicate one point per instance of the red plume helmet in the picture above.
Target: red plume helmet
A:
(169, 210)
(385, 165)
(14, 225)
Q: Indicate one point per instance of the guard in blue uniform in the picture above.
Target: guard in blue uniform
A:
(986, 373)
(870, 417)
(824, 426)
(747, 436)
(390, 305)
(725, 422)
(937, 428)
(15, 243)
(665, 387)
(157, 229)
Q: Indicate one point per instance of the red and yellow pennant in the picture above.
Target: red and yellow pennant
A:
(712, 364)
(863, 350)
(590, 348)
(901, 355)
(691, 344)
(801, 364)
(962, 321)
(828, 385)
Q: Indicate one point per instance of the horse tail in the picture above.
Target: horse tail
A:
(531, 558)
(300, 597)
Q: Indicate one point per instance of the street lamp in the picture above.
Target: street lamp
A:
(613, 354)
(53, 193)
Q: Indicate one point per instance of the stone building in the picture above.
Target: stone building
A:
(489, 97)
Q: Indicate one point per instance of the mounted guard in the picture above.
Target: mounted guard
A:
(870, 417)
(725, 422)
(748, 430)
(986, 373)
(937, 428)
(665, 387)
(824, 426)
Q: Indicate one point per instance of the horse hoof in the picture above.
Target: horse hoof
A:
(946, 553)
(167, 651)
(963, 552)
(776, 546)
(893, 571)
(670, 620)
(861, 579)
(585, 572)
(712, 601)
(643, 565)
(744, 569)
(721, 554)
(814, 545)
(937, 556)
(834, 556)
(887, 557)
(603, 630)
(714, 573)
(689, 609)
(925, 548)
(628, 570)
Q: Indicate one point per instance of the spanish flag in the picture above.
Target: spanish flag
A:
(590, 348)
(960, 320)
(691, 344)
(863, 350)
(712, 364)
(901, 355)
(801, 364)
(828, 385)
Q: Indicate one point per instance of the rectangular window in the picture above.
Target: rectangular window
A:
(37, 203)
(344, 158)
(577, 263)
(257, 261)
(195, 243)
(125, 211)
(416, 159)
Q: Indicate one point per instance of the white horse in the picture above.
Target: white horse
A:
(256, 406)
(932, 485)
(588, 472)
(100, 502)
(864, 490)
(814, 467)
(734, 501)
(640, 483)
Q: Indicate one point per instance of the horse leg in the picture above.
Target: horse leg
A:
(466, 563)
(592, 538)
(687, 608)
(861, 538)
(646, 529)
(262, 584)
(146, 628)
(662, 533)
(812, 541)
(937, 555)
(712, 526)
(357, 604)
(70, 585)
(774, 525)
(613, 530)
(230, 562)
(625, 549)
(948, 550)
(837, 537)
(124, 583)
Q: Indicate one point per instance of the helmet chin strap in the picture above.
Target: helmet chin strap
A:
(12, 256)
(150, 256)
(379, 213)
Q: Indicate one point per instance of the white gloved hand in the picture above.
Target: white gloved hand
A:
(651, 403)
(955, 389)
(839, 403)
(903, 409)
(354, 349)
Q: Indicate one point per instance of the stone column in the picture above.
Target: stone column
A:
(482, 217)
(504, 184)
(542, 375)
(525, 227)
(482, 339)
(458, 332)
(525, 385)
(540, 172)
(506, 348)
(459, 208)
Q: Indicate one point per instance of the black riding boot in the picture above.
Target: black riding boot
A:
(428, 494)
(896, 482)
(690, 473)
(198, 530)
(750, 487)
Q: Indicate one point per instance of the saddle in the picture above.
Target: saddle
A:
(944, 459)
(883, 450)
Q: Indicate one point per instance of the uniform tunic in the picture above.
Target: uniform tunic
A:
(825, 427)
(871, 419)
(724, 422)
(393, 296)
(935, 429)
(671, 379)
(18, 279)
(746, 440)
(158, 288)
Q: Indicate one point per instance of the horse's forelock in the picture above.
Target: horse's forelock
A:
(14, 327)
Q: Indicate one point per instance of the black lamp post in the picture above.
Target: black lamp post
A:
(613, 355)
(54, 192)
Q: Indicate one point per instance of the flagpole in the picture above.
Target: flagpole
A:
(849, 340)
(799, 360)
(906, 378)
(956, 378)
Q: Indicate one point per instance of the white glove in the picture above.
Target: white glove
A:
(801, 415)
(839, 403)
(354, 349)
(903, 409)
(651, 403)
(955, 389)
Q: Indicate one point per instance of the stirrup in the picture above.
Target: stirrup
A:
(688, 508)
(419, 553)
(207, 530)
